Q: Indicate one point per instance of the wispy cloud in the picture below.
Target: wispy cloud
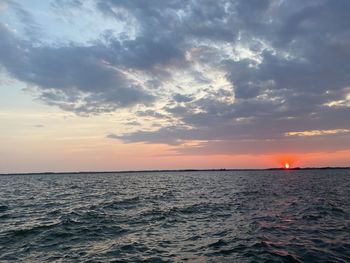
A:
(317, 132)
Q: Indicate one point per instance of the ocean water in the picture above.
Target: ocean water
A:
(226, 216)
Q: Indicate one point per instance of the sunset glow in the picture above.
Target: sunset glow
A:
(128, 85)
(291, 160)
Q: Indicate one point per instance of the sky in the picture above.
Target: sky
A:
(102, 85)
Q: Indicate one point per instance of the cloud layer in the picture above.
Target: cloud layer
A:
(238, 76)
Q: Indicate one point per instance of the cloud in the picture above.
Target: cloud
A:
(74, 78)
(66, 3)
(232, 75)
(262, 147)
(295, 62)
(317, 132)
(182, 98)
(28, 24)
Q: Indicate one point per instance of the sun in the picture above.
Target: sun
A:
(287, 162)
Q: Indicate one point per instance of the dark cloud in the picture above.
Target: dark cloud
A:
(172, 135)
(145, 52)
(300, 64)
(281, 63)
(151, 113)
(74, 78)
(182, 98)
(265, 147)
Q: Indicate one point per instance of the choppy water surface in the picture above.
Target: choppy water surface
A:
(272, 216)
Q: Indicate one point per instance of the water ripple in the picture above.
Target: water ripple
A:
(267, 216)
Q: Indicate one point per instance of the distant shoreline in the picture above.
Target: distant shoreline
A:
(179, 170)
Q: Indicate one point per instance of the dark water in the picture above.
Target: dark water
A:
(266, 216)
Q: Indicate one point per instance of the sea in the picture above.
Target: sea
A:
(195, 216)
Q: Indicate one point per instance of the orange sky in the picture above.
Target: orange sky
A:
(100, 154)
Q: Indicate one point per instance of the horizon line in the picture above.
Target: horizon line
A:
(181, 170)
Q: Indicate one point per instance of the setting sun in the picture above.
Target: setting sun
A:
(286, 165)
